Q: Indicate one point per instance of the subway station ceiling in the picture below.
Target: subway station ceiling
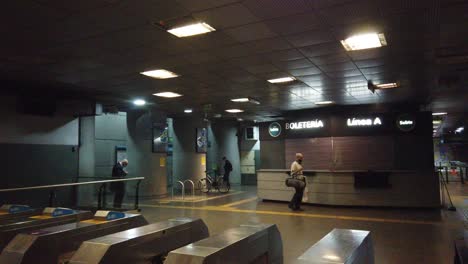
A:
(99, 47)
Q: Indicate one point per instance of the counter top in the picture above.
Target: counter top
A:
(337, 171)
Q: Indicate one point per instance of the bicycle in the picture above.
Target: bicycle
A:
(205, 184)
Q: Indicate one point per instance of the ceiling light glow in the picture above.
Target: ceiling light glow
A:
(160, 74)
(386, 85)
(240, 100)
(167, 94)
(188, 111)
(191, 30)
(234, 111)
(436, 122)
(282, 80)
(439, 113)
(324, 103)
(139, 102)
(459, 130)
(364, 41)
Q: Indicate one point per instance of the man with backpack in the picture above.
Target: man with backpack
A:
(227, 171)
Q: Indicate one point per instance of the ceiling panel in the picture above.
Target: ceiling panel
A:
(227, 16)
(101, 46)
(309, 38)
(250, 32)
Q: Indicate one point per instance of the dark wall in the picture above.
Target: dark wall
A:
(339, 147)
(26, 165)
(272, 154)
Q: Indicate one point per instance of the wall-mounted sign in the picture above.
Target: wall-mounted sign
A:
(317, 123)
(201, 140)
(352, 122)
(406, 122)
(274, 129)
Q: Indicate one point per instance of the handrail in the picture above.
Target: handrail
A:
(193, 186)
(69, 184)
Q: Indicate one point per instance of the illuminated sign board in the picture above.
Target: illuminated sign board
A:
(317, 123)
(274, 129)
(358, 122)
(406, 122)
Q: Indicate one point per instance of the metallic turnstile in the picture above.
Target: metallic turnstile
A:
(49, 217)
(143, 245)
(341, 246)
(56, 244)
(12, 211)
(249, 244)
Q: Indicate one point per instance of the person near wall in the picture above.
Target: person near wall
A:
(299, 186)
(227, 171)
(118, 188)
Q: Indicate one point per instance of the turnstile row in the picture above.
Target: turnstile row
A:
(112, 237)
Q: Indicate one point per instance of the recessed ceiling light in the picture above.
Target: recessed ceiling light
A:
(324, 102)
(191, 30)
(139, 102)
(188, 111)
(386, 85)
(364, 41)
(439, 113)
(282, 80)
(240, 119)
(240, 100)
(167, 94)
(160, 74)
(234, 110)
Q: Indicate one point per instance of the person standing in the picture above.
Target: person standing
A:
(227, 171)
(299, 186)
(118, 188)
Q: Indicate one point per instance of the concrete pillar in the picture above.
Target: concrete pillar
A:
(223, 139)
(187, 163)
(142, 161)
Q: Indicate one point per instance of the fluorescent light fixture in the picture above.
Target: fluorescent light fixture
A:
(282, 80)
(139, 102)
(245, 100)
(160, 74)
(439, 113)
(324, 103)
(459, 130)
(191, 30)
(364, 41)
(188, 111)
(167, 94)
(331, 257)
(436, 122)
(234, 110)
(240, 100)
(386, 85)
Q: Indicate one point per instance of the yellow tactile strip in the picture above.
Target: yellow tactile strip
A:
(223, 208)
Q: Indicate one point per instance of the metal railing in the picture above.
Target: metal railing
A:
(183, 190)
(52, 195)
(182, 185)
(193, 186)
(460, 168)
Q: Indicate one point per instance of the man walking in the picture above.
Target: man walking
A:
(118, 188)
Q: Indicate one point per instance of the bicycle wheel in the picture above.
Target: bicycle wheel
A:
(204, 185)
(222, 186)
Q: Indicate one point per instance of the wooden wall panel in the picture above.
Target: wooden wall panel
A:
(363, 153)
(317, 152)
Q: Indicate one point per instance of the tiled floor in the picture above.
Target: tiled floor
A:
(399, 235)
